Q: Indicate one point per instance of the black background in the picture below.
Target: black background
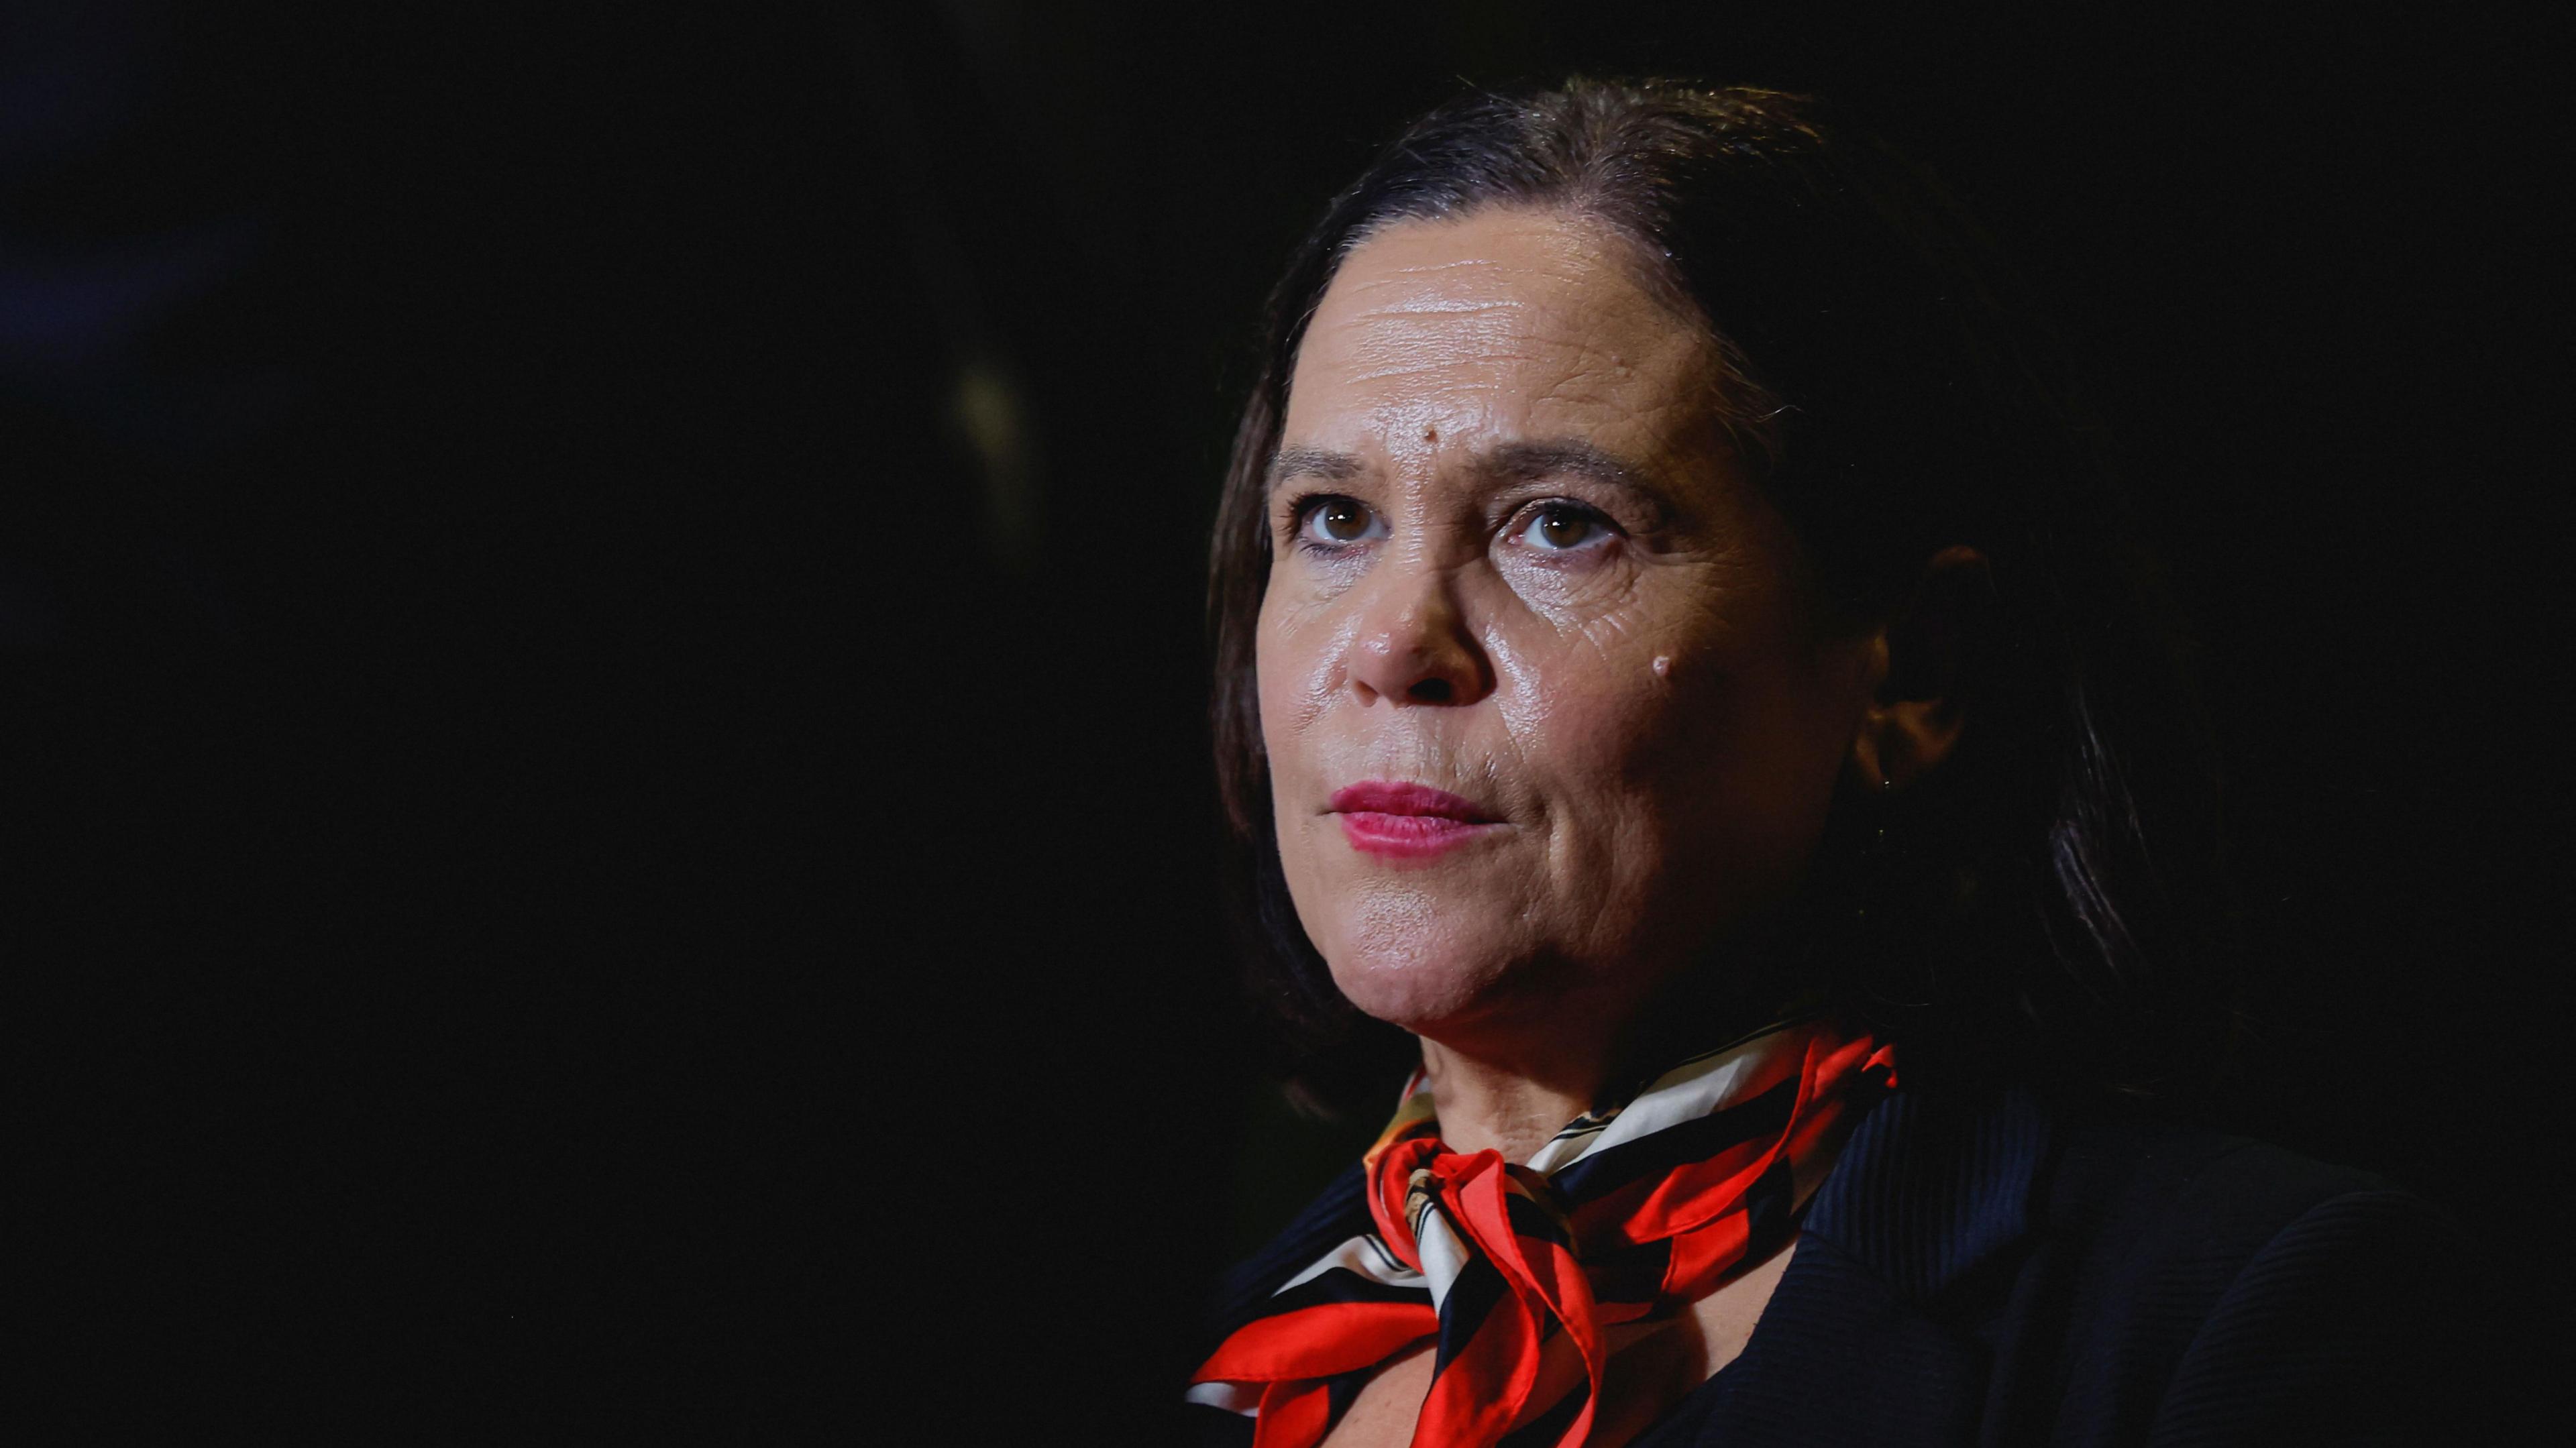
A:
(600, 854)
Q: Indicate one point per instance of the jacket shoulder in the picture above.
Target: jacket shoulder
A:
(2144, 1203)
(2213, 1287)
(1337, 1214)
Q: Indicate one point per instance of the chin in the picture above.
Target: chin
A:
(1441, 943)
(1419, 997)
(1394, 960)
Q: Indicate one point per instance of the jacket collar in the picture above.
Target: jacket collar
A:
(1864, 1338)
(1931, 1188)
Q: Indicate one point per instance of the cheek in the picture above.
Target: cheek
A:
(1610, 741)
(1750, 763)
(1294, 675)
(1282, 686)
(1583, 702)
(1714, 767)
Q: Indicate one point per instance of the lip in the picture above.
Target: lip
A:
(1402, 821)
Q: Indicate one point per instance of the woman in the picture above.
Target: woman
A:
(1676, 666)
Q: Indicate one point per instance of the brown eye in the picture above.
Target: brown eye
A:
(1560, 529)
(1335, 521)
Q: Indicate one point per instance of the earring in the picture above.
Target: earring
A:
(1877, 835)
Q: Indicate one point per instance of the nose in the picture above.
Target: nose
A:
(1413, 645)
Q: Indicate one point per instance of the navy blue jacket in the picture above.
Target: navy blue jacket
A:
(1976, 1271)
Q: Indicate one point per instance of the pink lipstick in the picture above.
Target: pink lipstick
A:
(1399, 821)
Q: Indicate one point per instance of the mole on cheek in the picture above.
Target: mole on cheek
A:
(1431, 434)
(1663, 666)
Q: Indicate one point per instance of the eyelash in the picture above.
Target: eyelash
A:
(1529, 517)
(1302, 509)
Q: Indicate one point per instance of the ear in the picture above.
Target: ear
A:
(1915, 711)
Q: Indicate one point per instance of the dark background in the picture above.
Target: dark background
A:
(600, 655)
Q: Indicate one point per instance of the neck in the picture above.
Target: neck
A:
(1510, 1091)
(1487, 1102)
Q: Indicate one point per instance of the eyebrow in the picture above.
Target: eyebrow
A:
(1514, 462)
(1563, 457)
(1309, 462)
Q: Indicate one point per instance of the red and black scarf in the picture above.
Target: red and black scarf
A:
(1629, 1214)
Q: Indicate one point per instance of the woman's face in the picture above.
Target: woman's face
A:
(1543, 714)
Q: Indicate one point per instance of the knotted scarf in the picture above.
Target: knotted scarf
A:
(1629, 1214)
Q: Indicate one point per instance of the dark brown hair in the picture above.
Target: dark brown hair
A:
(2006, 915)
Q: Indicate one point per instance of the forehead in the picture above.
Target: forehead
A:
(1500, 324)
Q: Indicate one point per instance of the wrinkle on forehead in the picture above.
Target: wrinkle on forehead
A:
(1413, 296)
(1494, 319)
(1495, 328)
(1414, 265)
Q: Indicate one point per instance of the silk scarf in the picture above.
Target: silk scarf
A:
(1517, 1272)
